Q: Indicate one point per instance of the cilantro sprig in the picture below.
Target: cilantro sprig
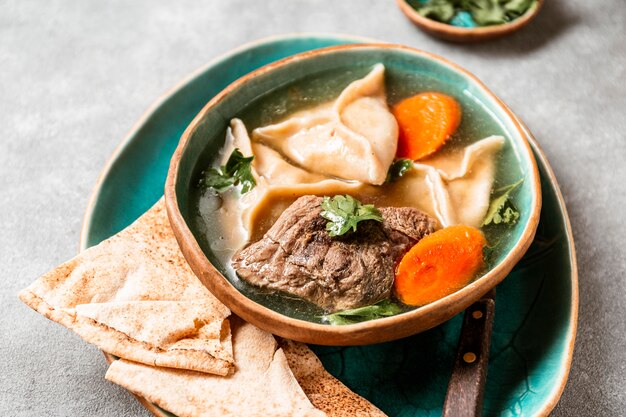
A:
(344, 212)
(381, 309)
(237, 171)
(502, 210)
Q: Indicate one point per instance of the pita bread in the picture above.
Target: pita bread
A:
(262, 384)
(134, 296)
(325, 391)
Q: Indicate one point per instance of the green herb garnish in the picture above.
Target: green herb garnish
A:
(398, 168)
(489, 252)
(502, 210)
(383, 308)
(483, 12)
(236, 171)
(344, 212)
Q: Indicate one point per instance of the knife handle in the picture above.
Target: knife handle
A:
(467, 384)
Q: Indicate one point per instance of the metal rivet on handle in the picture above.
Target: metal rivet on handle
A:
(477, 314)
(469, 357)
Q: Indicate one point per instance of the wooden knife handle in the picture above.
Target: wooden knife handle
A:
(467, 384)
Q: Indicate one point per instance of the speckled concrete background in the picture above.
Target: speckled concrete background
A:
(75, 75)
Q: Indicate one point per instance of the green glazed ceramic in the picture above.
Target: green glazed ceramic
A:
(536, 306)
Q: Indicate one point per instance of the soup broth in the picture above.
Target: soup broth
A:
(476, 123)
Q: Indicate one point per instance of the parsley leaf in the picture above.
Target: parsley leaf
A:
(502, 210)
(238, 170)
(344, 212)
(383, 308)
(398, 168)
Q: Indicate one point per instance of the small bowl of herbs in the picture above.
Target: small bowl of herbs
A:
(470, 20)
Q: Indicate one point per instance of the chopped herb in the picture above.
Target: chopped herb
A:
(441, 10)
(344, 212)
(398, 168)
(486, 12)
(502, 210)
(516, 8)
(509, 216)
(483, 12)
(236, 171)
(383, 308)
(489, 252)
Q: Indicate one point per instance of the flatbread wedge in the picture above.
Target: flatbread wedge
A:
(134, 296)
(262, 384)
(323, 390)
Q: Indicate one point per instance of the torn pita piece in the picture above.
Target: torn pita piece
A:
(262, 384)
(134, 296)
(325, 391)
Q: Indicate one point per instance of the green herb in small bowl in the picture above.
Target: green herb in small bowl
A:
(470, 20)
(481, 12)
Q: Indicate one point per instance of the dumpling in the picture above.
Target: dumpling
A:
(270, 172)
(353, 138)
(229, 205)
(468, 176)
(453, 187)
(267, 162)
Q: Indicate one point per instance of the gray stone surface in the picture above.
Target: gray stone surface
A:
(75, 75)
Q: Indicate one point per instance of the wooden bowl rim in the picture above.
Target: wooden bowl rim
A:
(373, 331)
(457, 33)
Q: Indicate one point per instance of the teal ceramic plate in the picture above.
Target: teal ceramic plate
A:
(536, 306)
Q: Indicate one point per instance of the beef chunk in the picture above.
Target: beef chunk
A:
(297, 255)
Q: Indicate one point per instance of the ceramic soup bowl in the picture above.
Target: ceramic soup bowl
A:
(407, 71)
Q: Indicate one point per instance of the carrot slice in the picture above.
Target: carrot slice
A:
(426, 121)
(439, 264)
